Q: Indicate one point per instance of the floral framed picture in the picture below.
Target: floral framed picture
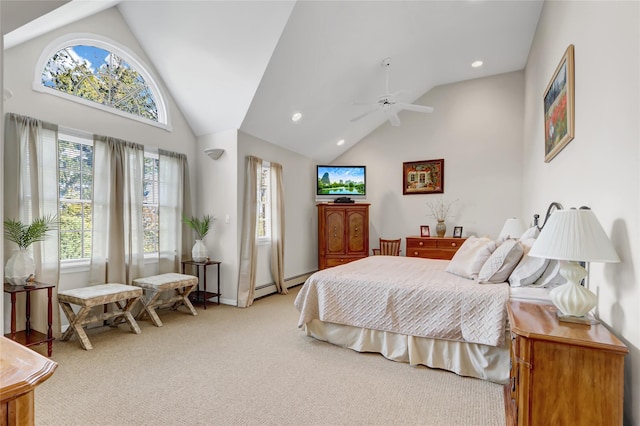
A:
(424, 231)
(423, 177)
(559, 115)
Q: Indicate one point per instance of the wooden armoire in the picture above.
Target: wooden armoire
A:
(343, 233)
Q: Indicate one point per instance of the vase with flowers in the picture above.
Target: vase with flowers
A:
(20, 268)
(441, 210)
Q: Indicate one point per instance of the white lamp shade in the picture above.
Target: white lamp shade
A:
(512, 228)
(574, 235)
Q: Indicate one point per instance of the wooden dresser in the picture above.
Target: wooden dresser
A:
(343, 233)
(562, 373)
(433, 247)
(22, 371)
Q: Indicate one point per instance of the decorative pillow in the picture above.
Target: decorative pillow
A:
(529, 269)
(501, 262)
(530, 233)
(551, 276)
(470, 257)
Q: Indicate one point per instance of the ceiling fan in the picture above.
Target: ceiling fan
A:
(388, 103)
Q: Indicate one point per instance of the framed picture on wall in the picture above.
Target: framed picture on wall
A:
(559, 116)
(457, 232)
(423, 177)
(424, 231)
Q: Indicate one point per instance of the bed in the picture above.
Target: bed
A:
(414, 310)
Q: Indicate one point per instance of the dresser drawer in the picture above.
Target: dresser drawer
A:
(433, 247)
(335, 261)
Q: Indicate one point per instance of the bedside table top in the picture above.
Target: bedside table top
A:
(540, 321)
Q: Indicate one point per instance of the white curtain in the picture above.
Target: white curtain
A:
(118, 236)
(277, 227)
(248, 247)
(174, 199)
(31, 190)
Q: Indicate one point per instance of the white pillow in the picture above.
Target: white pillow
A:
(529, 269)
(551, 276)
(470, 257)
(530, 233)
(501, 262)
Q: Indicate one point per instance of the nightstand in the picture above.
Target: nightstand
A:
(29, 336)
(562, 373)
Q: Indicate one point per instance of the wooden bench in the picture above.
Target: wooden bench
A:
(98, 295)
(180, 285)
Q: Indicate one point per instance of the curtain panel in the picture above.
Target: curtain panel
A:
(277, 227)
(30, 191)
(175, 236)
(118, 235)
(248, 245)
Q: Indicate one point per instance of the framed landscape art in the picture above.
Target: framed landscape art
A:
(559, 116)
(423, 177)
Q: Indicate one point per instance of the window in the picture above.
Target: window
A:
(75, 171)
(264, 202)
(150, 203)
(100, 73)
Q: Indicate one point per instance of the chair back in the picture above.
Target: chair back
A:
(388, 248)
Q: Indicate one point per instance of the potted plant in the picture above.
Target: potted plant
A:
(201, 227)
(20, 267)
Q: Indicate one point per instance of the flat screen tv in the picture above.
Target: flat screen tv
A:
(341, 181)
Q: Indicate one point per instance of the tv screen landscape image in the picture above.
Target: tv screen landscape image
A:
(341, 181)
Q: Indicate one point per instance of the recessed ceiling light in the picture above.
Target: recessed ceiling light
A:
(476, 64)
(340, 142)
(296, 116)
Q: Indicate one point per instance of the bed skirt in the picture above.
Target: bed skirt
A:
(465, 359)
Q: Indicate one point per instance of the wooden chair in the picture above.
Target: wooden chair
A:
(388, 248)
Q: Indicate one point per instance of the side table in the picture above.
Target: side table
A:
(203, 296)
(30, 337)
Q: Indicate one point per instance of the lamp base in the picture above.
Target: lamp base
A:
(588, 319)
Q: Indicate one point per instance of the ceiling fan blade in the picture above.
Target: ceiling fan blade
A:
(371, 111)
(394, 119)
(413, 107)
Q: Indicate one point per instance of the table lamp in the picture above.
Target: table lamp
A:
(512, 228)
(573, 236)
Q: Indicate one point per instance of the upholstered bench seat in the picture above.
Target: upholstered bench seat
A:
(98, 295)
(156, 286)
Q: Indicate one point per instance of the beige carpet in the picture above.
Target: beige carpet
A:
(252, 366)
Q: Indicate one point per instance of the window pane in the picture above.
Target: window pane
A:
(70, 245)
(70, 216)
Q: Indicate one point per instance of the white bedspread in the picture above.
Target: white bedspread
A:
(406, 295)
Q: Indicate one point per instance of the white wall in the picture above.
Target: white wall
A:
(19, 69)
(477, 129)
(217, 193)
(600, 168)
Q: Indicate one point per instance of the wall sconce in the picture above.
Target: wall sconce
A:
(214, 153)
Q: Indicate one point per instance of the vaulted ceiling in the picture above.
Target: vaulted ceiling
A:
(250, 65)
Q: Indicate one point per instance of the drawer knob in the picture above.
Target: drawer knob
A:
(421, 243)
(454, 244)
(415, 253)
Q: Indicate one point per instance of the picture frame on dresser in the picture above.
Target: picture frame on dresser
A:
(424, 231)
(457, 232)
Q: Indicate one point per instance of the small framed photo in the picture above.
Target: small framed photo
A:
(457, 232)
(424, 231)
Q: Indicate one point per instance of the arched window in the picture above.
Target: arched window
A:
(97, 72)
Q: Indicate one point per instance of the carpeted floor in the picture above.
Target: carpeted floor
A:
(232, 366)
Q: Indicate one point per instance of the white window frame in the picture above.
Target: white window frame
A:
(88, 39)
(155, 156)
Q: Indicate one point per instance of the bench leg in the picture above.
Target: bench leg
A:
(75, 325)
(184, 292)
(149, 309)
(129, 318)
